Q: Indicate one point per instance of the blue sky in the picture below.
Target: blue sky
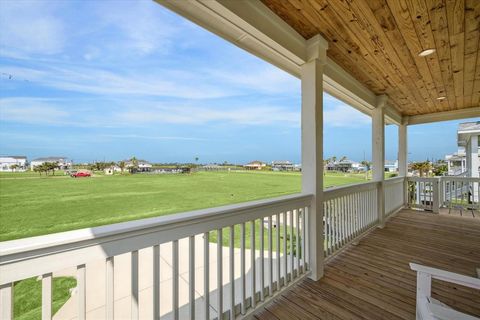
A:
(109, 80)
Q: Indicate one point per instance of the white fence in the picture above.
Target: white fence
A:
(274, 265)
(348, 213)
(444, 192)
(394, 195)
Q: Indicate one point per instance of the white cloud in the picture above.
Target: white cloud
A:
(24, 111)
(133, 113)
(342, 115)
(30, 27)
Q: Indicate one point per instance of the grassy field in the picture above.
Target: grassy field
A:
(28, 297)
(31, 205)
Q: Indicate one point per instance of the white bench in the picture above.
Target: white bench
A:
(429, 308)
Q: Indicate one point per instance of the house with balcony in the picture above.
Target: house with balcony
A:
(255, 165)
(384, 249)
(466, 161)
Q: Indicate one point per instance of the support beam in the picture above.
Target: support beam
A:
(378, 153)
(403, 158)
(312, 148)
(444, 116)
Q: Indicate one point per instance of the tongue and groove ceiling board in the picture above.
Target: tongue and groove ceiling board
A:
(378, 42)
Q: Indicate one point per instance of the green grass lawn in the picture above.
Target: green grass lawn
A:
(28, 297)
(31, 205)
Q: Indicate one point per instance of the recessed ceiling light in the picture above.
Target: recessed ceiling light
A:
(426, 52)
(441, 98)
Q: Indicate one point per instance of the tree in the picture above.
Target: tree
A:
(422, 167)
(14, 166)
(134, 165)
(334, 159)
(440, 168)
(343, 158)
(122, 165)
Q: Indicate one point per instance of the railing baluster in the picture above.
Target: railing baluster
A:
(6, 301)
(242, 267)
(47, 296)
(303, 240)
(81, 293)
(297, 241)
(262, 262)
(191, 276)
(220, 273)
(277, 217)
(270, 257)
(232, 272)
(252, 258)
(285, 249)
(134, 284)
(175, 276)
(292, 244)
(156, 282)
(206, 274)
(109, 288)
(307, 237)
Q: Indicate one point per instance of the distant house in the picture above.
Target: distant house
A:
(142, 165)
(255, 165)
(63, 162)
(13, 163)
(111, 170)
(345, 165)
(391, 166)
(282, 165)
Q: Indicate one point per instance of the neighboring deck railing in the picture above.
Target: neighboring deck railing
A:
(444, 192)
(279, 227)
(280, 258)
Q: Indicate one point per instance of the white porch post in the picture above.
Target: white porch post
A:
(378, 153)
(403, 158)
(312, 147)
(474, 164)
(473, 154)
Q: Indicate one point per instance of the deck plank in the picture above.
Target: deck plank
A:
(372, 280)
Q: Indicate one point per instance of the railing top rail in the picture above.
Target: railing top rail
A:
(394, 180)
(449, 178)
(335, 192)
(126, 229)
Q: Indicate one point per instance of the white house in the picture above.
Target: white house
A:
(142, 165)
(19, 163)
(345, 165)
(391, 166)
(282, 165)
(465, 161)
(62, 162)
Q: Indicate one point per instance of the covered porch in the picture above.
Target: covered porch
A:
(337, 253)
(373, 280)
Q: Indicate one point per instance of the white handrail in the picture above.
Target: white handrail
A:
(23, 258)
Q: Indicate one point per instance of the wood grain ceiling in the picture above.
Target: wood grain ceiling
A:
(378, 42)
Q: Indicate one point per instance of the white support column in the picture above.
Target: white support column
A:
(474, 163)
(403, 158)
(312, 147)
(378, 153)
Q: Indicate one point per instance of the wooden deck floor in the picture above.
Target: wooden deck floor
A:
(373, 281)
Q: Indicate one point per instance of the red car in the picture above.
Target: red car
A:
(81, 174)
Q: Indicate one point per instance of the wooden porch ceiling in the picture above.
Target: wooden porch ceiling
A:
(373, 280)
(378, 42)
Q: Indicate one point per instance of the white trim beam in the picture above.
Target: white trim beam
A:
(444, 116)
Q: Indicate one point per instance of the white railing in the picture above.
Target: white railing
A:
(278, 226)
(394, 189)
(423, 193)
(444, 192)
(349, 212)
